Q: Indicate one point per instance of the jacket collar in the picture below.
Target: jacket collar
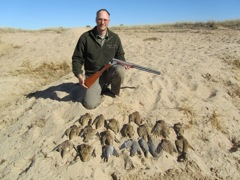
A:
(95, 33)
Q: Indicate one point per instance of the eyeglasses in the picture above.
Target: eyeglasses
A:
(100, 20)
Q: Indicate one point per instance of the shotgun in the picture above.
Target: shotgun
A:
(124, 63)
(91, 79)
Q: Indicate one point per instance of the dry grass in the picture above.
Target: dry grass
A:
(14, 30)
(214, 119)
(235, 145)
(48, 71)
(2, 161)
(231, 24)
(233, 61)
(6, 48)
(16, 47)
(57, 30)
(152, 39)
(234, 91)
(187, 110)
(236, 64)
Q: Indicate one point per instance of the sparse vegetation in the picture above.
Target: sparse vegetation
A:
(2, 161)
(6, 48)
(233, 61)
(40, 123)
(187, 110)
(231, 24)
(236, 63)
(234, 91)
(152, 39)
(47, 71)
(57, 30)
(235, 145)
(214, 120)
(16, 46)
(14, 30)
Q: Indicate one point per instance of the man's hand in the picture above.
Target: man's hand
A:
(127, 67)
(82, 80)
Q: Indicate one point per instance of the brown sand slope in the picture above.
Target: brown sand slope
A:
(198, 86)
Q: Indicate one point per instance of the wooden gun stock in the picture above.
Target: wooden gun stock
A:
(91, 79)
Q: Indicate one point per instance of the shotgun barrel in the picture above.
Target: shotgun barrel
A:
(136, 66)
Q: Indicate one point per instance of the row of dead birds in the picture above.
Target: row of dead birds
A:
(88, 129)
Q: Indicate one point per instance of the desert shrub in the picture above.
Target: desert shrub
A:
(49, 71)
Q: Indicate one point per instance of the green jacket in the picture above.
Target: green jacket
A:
(92, 55)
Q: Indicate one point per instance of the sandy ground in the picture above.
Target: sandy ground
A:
(198, 87)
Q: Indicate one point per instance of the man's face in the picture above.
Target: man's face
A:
(102, 20)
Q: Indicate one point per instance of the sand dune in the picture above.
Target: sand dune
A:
(198, 86)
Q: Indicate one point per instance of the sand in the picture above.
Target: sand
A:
(198, 86)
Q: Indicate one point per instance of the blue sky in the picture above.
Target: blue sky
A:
(38, 14)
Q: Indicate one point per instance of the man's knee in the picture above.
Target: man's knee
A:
(120, 70)
(89, 105)
(92, 97)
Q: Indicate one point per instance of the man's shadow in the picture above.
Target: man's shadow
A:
(68, 91)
